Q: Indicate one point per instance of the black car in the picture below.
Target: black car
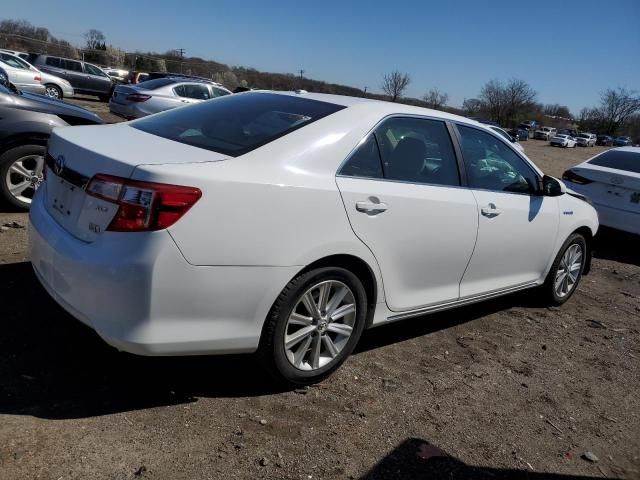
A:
(604, 140)
(520, 134)
(84, 77)
(26, 121)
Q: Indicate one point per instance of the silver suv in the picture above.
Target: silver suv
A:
(84, 77)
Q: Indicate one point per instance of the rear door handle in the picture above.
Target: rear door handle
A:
(490, 211)
(372, 207)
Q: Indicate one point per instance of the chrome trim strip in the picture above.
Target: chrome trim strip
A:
(460, 302)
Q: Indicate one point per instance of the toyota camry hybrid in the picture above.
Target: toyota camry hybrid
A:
(287, 223)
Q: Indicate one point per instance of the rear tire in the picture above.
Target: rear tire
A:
(294, 339)
(566, 271)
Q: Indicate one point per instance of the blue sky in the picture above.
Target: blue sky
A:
(568, 50)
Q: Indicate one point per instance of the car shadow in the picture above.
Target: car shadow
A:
(416, 459)
(618, 246)
(52, 366)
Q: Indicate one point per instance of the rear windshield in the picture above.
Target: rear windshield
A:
(628, 161)
(156, 83)
(236, 124)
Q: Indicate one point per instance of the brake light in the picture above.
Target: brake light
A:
(138, 97)
(143, 206)
(37, 78)
(572, 176)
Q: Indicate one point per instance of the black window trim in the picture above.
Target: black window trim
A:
(526, 161)
(462, 173)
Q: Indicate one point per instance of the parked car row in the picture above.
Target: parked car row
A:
(26, 122)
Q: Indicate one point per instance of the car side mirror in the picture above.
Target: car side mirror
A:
(552, 187)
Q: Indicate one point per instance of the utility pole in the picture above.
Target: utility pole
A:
(181, 51)
(365, 91)
(301, 72)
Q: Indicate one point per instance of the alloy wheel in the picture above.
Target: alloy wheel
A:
(52, 92)
(24, 177)
(568, 270)
(320, 325)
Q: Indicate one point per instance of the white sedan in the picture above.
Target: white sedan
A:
(612, 181)
(287, 223)
(563, 140)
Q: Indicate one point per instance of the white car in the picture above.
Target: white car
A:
(587, 139)
(506, 135)
(286, 223)
(54, 87)
(611, 180)
(563, 140)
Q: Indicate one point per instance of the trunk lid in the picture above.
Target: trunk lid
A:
(612, 188)
(108, 149)
(121, 92)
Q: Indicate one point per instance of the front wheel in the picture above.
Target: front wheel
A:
(314, 325)
(566, 271)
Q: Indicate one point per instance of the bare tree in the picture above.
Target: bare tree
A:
(435, 99)
(394, 84)
(95, 39)
(556, 110)
(504, 102)
(616, 106)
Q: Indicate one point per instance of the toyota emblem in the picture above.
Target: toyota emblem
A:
(58, 167)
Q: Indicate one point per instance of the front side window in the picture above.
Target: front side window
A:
(93, 70)
(12, 62)
(218, 92)
(236, 124)
(492, 165)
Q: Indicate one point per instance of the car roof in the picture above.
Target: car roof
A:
(384, 107)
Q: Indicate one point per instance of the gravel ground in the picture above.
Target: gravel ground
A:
(504, 389)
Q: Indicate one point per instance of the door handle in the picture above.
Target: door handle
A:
(372, 207)
(184, 101)
(490, 211)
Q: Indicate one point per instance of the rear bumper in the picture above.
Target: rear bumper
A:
(140, 295)
(128, 112)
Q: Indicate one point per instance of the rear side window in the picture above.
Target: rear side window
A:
(236, 124)
(218, 92)
(72, 65)
(199, 92)
(410, 150)
(53, 61)
(627, 161)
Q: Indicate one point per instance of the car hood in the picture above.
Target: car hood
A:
(40, 103)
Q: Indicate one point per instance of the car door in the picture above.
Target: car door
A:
(402, 194)
(517, 226)
(96, 80)
(74, 73)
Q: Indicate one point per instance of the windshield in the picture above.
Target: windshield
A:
(582, 135)
(236, 124)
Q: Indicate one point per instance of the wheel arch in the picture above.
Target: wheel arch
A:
(588, 236)
(19, 139)
(360, 268)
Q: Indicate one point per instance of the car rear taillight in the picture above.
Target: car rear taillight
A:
(143, 206)
(138, 97)
(37, 78)
(572, 176)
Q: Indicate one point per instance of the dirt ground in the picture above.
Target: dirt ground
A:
(504, 389)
